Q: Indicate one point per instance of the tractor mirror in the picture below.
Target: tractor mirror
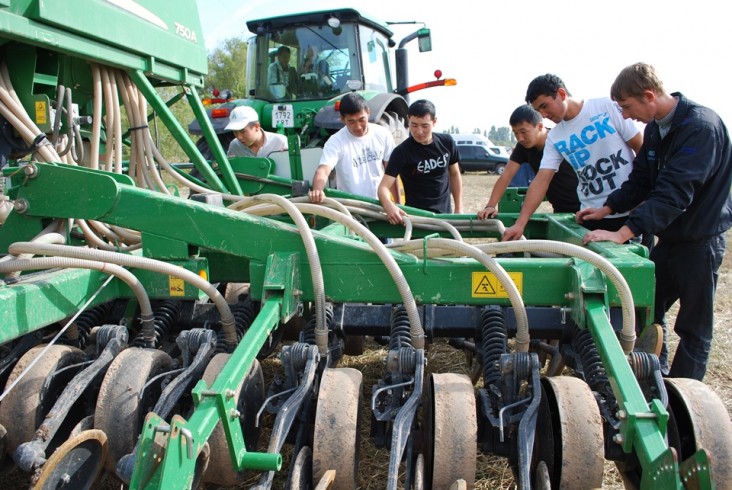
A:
(424, 39)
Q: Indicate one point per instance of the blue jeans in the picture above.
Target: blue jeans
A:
(688, 272)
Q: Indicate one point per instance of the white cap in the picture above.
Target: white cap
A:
(240, 117)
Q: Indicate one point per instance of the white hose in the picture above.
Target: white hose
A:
(316, 272)
(627, 333)
(228, 323)
(146, 313)
(416, 330)
(96, 116)
(517, 302)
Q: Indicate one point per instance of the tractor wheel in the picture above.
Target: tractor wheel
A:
(27, 404)
(335, 441)
(569, 436)
(76, 464)
(396, 125)
(698, 420)
(451, 431)
(250, 396)
(125, 398)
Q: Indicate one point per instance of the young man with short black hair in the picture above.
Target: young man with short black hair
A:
(427, 163)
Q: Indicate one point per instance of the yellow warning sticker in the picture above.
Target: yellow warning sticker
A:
(40, 112)
(176, 286)
(486, 285)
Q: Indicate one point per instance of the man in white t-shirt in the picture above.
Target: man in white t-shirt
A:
(250, 140)
(593, 137)
(358, 152)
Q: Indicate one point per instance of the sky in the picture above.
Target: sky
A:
(494, 49)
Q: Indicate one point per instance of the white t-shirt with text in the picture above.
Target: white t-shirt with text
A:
(358, 161)
(595, 144)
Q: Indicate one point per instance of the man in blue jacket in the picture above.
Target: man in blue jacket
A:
(679, 190)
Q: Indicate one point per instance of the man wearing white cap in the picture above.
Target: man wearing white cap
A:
(250, 140)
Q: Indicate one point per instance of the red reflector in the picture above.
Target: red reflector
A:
(337, 106)
(220, 112)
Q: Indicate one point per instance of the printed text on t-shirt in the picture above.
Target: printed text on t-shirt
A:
(367, 156)
(426, 166)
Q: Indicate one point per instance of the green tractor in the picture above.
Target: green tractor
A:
(133, 319)
(324, 55)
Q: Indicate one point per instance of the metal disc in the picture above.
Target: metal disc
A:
(302, 470)
(541, 477)
(335, 434)
(569, 434)
(27, 404)
(419, 473)
(120, 410)
(699, 420)
(451, 427)
(76, 464)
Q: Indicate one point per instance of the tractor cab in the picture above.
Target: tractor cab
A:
(317, 56)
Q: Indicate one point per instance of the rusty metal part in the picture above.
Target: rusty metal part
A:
(335, 441)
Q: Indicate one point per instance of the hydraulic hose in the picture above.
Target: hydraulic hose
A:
(522, 321)
(386, 257)
(146, 313)
(316, 272)
(227, 318)
(627, 333)
(96, 116)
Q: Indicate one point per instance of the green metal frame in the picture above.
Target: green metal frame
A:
(278, 270)
(49, 43)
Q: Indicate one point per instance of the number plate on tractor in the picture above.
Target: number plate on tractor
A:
(283, 114)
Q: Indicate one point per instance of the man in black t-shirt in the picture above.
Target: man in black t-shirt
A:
(427, 164)
(531, 134)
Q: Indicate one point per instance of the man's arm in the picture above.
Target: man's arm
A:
(394, 188)
(499, 188)
(534, 196)
(621, 236)
(456, 186)
(320, 178)
(394, 214)
(636, 142)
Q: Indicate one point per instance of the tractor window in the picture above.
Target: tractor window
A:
(304, 63)
(375, 56)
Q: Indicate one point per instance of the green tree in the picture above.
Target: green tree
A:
(226, 70)
(227, 67)
(502, 136)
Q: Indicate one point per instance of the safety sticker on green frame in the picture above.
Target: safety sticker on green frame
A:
(486, 285)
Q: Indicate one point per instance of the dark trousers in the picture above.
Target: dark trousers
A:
(688, 272)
